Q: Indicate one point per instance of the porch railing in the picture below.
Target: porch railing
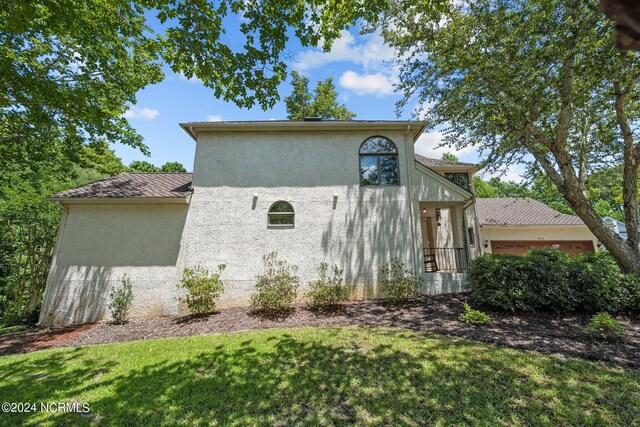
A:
(445, 260)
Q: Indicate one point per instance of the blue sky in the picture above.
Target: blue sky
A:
(362, 73)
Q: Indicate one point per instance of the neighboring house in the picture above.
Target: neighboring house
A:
(351, 193)
(516, 225)
(618, 227)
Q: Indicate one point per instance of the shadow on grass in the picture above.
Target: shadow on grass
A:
(353, 376)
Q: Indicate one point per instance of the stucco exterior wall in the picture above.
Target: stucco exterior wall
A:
(237, 177)
(98, 244)
(535, 233)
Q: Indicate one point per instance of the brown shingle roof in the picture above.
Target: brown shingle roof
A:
(426, 161)
(132, 185)
(508, 211)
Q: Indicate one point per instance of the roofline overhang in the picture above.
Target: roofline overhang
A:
(119, 200)
(455, 168)
(193, 128)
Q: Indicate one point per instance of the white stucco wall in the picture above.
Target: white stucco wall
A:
(540, 233)
(360, 229)
(100, 243)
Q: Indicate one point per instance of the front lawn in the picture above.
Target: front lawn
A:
(342, 375)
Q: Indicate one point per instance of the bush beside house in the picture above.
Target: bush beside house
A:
(202, 289)
(550, 280)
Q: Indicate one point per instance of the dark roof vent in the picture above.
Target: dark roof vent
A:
(312, 119)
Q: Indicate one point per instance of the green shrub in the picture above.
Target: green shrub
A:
(605, 326)
(597, 280)
(203, 289)
(546, 281)
(399, 284)
(498, 281)
(121, 297)
(277, 288)
(552, 281)
(473, 316)
(328, 292)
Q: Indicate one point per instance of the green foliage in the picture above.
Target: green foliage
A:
(605, 326)
(120, 299)
(142, 166)
(597, 279)
(475, 317)
(550, 280)
(450, 157)
(399, 284)
(277, 288)
(203, 289)
(327, 293)
(322, 103)
(172, 167)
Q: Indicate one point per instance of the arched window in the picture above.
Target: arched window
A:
(379, 162)
(280, 214)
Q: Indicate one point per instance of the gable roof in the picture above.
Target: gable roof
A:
(130, 185)
(518, 211)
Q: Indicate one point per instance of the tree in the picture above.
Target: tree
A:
(142, 166)
(537, 82)
(450, 157)
(322, 103)
(172, 167)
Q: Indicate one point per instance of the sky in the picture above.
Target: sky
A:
(362, 73)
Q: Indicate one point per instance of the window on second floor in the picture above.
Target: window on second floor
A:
(462, 179)
(379, 162)
(280, 214)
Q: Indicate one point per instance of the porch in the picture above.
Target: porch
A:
(447, 242)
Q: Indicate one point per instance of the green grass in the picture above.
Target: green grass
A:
(323, 376)
(9, 329)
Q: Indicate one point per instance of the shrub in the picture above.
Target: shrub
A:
(473, 316)
(546, 281)
(605, 326)
(203, 289)
(399, 284)
(598, 282)
(328, 292)
(498, 281)
(550, 280)
(121, 297)
(277, 288)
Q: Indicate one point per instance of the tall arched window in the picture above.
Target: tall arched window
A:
(379, 162)
(280, 214)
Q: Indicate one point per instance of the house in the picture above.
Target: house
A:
(351, 193)
(516, 225)
(616, 226)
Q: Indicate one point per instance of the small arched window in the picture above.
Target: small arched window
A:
(280, 214)
(379, 162)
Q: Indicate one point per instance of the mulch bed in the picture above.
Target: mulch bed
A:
(540, 332)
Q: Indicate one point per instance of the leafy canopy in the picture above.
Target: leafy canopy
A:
(323, 103)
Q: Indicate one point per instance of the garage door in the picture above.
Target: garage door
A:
(520, 247)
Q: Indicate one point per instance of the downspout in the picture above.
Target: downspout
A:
(416, 266)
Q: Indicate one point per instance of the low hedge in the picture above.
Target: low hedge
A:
(551, 280)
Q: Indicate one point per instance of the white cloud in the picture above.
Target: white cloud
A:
(145, 113)
(427, 145)
(193, 79)
(367, 84)
(511, 173)
(214, 118)
(371, 54)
